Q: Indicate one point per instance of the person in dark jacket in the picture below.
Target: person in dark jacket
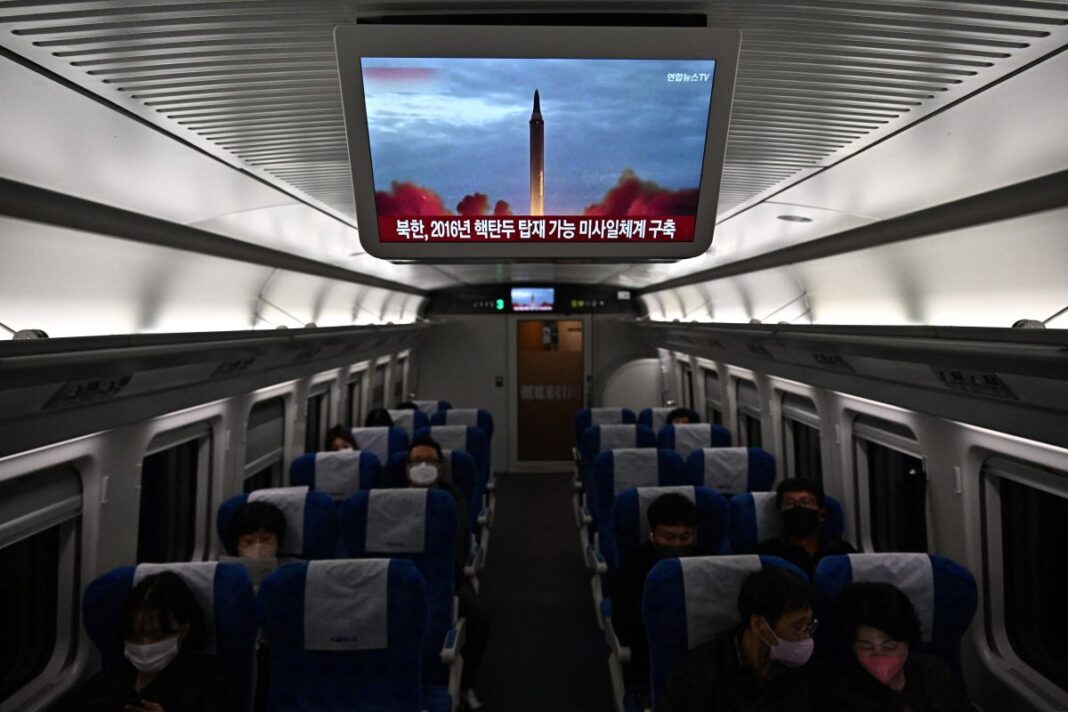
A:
(378, 418)
(760, 666)
(163, 628)
(672, 533)
(800, 504)
(884, 673)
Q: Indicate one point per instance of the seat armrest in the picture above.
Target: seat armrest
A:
(595, 560)
(475, 560)
(454, 640)
(621, 651)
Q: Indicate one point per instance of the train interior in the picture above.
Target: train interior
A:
(186, 310)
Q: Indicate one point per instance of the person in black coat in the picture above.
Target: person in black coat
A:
(800, 505)
(883, 672)
(163, 627)
(763, 665)
(672, 533)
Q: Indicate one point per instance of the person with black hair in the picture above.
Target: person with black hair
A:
(425, 468)
(760, 666)
(672, 533)
(679, 416)
(258, 530)
(378, 418)
(407, 405)
(163, 630)
(340, 438)
(883, 672)
(801, 511)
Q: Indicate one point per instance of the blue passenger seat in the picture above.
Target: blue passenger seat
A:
(691, 601)
(409, 420)
(339, 474)
(224, 591)
(656, 418)
(943, 593)
(732, 470)
(420, 525)
(344, 635)
(686, 438)
(432, 406)
(381, 441)
(754, 517)
(477, 417)
(311, 521)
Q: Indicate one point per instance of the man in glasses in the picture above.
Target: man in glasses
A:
(763, 664)
(800, 505)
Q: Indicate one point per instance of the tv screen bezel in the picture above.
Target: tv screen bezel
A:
(354, 42)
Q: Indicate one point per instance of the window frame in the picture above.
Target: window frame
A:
(713, 397)
(357, 413)
(385, 364)
(250, 468)
(399, 374)
(204, 434)
(321, 390)
(686, 382)
(746, 409)
(802, 410)
(864, 430)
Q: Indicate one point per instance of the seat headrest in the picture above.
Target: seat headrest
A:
(710, 589)
(648, 495)
(430, 406)
(199, 576)
(291, 501)
(451, 437)
(635, 467)
(614, 437)
(375, 440)
(911, 573)
(606, 416)
(396, 521)
(338, 473)
(346, 605)
(727, 469)
(691, 436)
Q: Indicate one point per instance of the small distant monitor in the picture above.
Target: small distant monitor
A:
(533, 299)
(530, 143)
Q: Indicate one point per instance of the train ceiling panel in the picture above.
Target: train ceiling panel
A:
(255, 84)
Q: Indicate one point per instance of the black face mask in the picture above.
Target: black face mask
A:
(801, 521)
(673, 552)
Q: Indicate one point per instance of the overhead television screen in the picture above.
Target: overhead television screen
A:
(523, 156)
(532, 299)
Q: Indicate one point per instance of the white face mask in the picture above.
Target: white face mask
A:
(152, 657)
(423, 474)
(259, 550)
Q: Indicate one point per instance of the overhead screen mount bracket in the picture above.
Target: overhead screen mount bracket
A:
(536, 143)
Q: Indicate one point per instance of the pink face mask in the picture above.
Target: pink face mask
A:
(791, 653)
(883, 668)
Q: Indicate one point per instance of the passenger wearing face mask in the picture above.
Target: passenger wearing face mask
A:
(672, 533)
(163, 628)
(760, 666)
(800, 504)
(425, 466)
(883, 672)
(340, 438)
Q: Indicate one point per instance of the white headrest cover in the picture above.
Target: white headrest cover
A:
(727, 469)
(373, 440)
(635, 467)
(453, 437)
(767, 515)
(291, 500)
(606, 416)
(711, 585)
(396, 521)
(692, 436)
(462, 416)
(200, 578)
(404, 418)
(346, 605)
(648, 495)
(912, 573)
(427, 406)
(337, 473)
(614, 437)
(659, 417)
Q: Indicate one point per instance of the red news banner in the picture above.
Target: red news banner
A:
(509, 228)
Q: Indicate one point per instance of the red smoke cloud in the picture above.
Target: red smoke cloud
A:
(409, 200)
(502, 208)
(632, 197)
(476, 204)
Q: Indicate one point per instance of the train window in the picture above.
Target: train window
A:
(801, 432)
(378, 386)
(38, 514)
(318, 419)
(687, 384)
(176, 467)
(265, 445)
(749, 415)
(400, 372)
(1034, 525)
(892, 473)
(355, 401)
(713, 402)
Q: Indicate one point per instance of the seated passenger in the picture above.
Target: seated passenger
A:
(672, 528)
(407, 405)
(163, 627)
(378, 418)
(679, 416)
(880, 624)
(761, 665)
(424, 469)
(800, 504)
(258, 529)
(340, 438)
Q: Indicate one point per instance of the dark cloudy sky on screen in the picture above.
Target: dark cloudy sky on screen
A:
(467, 130)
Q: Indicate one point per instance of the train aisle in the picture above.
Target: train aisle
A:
(545, 650)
